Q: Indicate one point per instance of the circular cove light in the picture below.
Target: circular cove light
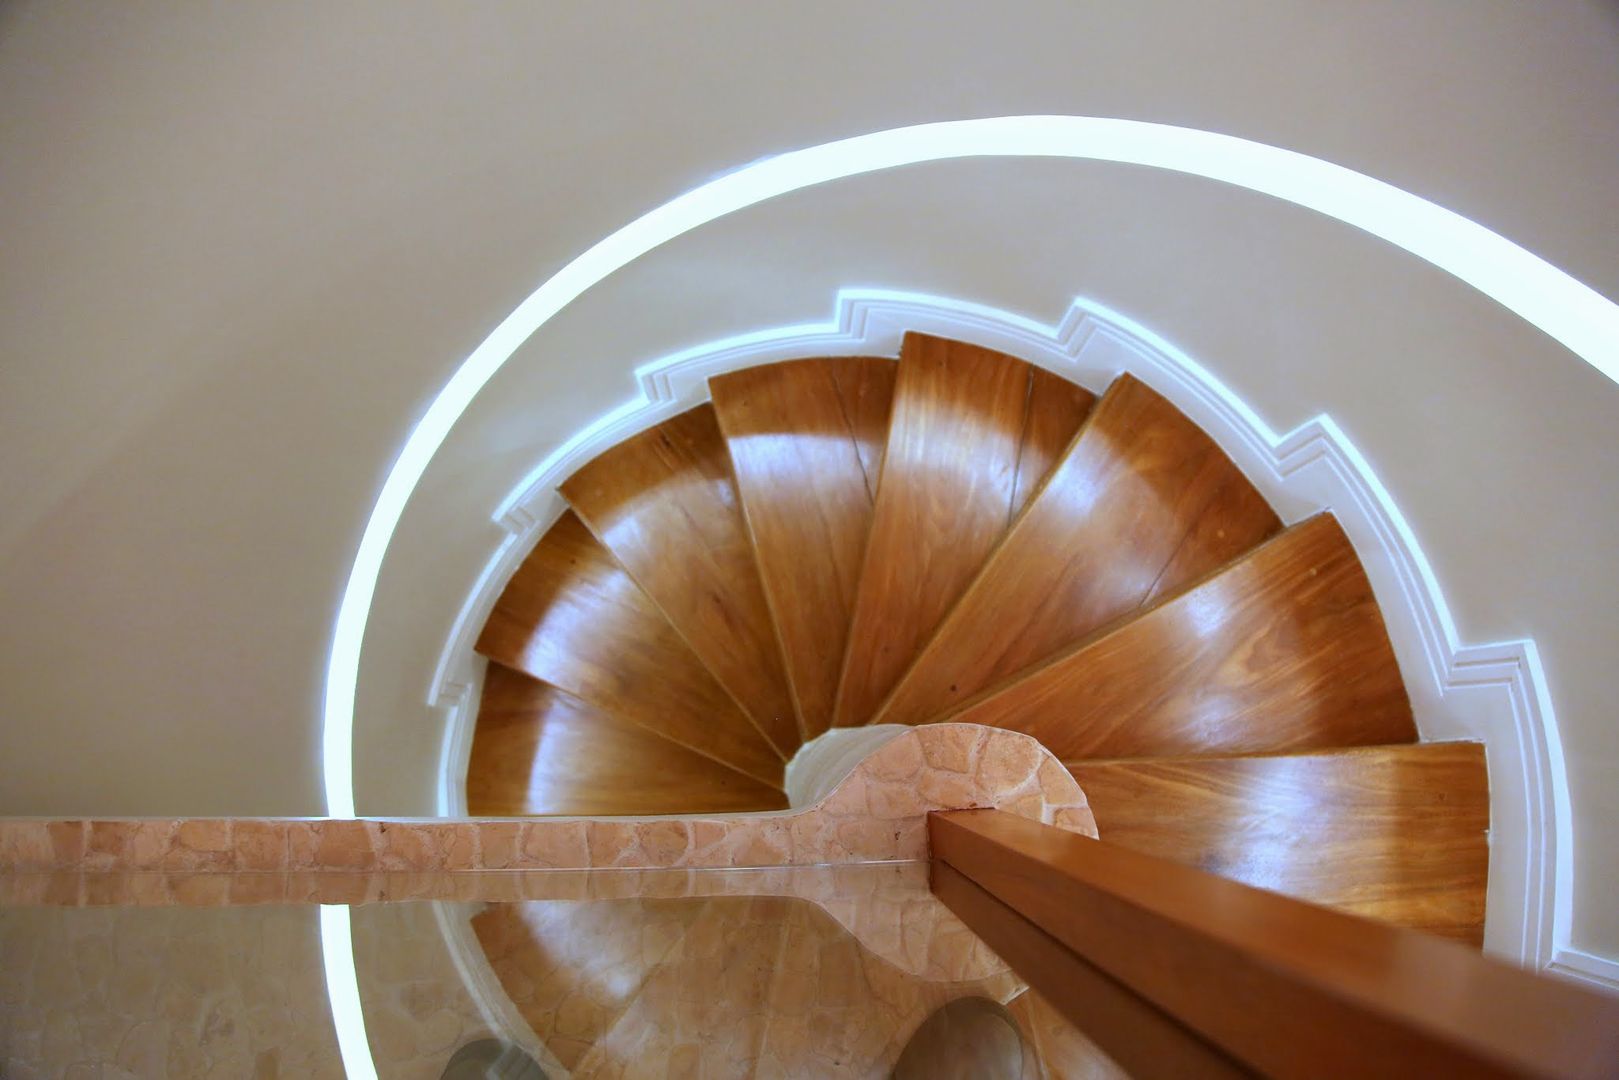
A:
(1583, 320)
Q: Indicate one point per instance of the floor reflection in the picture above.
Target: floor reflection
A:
(810, 971)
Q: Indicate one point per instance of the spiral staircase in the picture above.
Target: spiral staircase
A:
(963, 536)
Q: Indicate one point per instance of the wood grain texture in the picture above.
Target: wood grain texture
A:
(1101, 1025)
(866, 389)
(1283, 650)
(1287, 988)
(1054, 413)
(949, 472)
(1394, 833)
(665, 504)
(572, 617)
(805, 496)
(1143, 500)
(537, 750)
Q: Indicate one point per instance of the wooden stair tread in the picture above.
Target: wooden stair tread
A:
(950, 474)
(1056, 409)
(539, 750)
(866, 390)
(573, 618)
(665, 504)
(807, 503)
(1142, 503)
(1285, 649)
(1396, 833)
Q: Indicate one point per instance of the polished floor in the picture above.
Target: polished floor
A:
(807, 971)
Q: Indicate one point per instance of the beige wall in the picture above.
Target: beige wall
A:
(243, 246)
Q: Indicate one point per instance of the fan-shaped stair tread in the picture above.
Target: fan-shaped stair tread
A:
(866, 391)
(664, 502)
(573, 618)
(1396, 833)
(950, 473)
(1285, 649)
(572, 969)
(1056, 410)
(804, 490)
(539, 750)
(1143, 501)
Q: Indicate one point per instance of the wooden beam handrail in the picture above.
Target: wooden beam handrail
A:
(1285, 988)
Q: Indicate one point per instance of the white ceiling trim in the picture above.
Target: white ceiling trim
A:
(1569, 311)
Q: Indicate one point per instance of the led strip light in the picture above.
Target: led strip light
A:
(1564, 308)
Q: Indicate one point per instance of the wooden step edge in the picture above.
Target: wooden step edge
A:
(843, 403)
(804, 734)
(1016, 520)
(876, 488)
(770, 601)
(1109, 628)
(1229, 755)
(653, 600)
(876, 499)
(775, 628)
(775, 783)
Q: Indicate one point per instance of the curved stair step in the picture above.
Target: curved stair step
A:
(573, 618)
(959, 438)
(807, 499)
(866, 391)
(665, 504)
(1142, 503)
(1284, 649)
(1057, 409)
(1396, 833)
(540, 750)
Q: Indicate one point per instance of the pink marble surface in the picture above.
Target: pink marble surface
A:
(878, 813)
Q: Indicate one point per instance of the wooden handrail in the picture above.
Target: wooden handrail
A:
(1281, 987)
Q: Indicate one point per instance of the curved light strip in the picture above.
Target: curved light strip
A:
(1573, 313)
(343, 992)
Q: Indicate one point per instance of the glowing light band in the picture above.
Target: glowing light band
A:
(1569, 311)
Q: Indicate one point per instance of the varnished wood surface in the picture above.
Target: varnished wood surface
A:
(665, 504)
(804, 492)
(1287, 988)
(866, 390)
(1128, 1030)
(1055, 411)
(950, 470)
(1395, 833)
(1143, 501)
(1283, 650)
(572, 617)
(538, 750)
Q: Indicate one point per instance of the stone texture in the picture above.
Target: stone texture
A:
(878, 813)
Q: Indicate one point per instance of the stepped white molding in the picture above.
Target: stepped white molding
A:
(1587, 968)
(1495, 693)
